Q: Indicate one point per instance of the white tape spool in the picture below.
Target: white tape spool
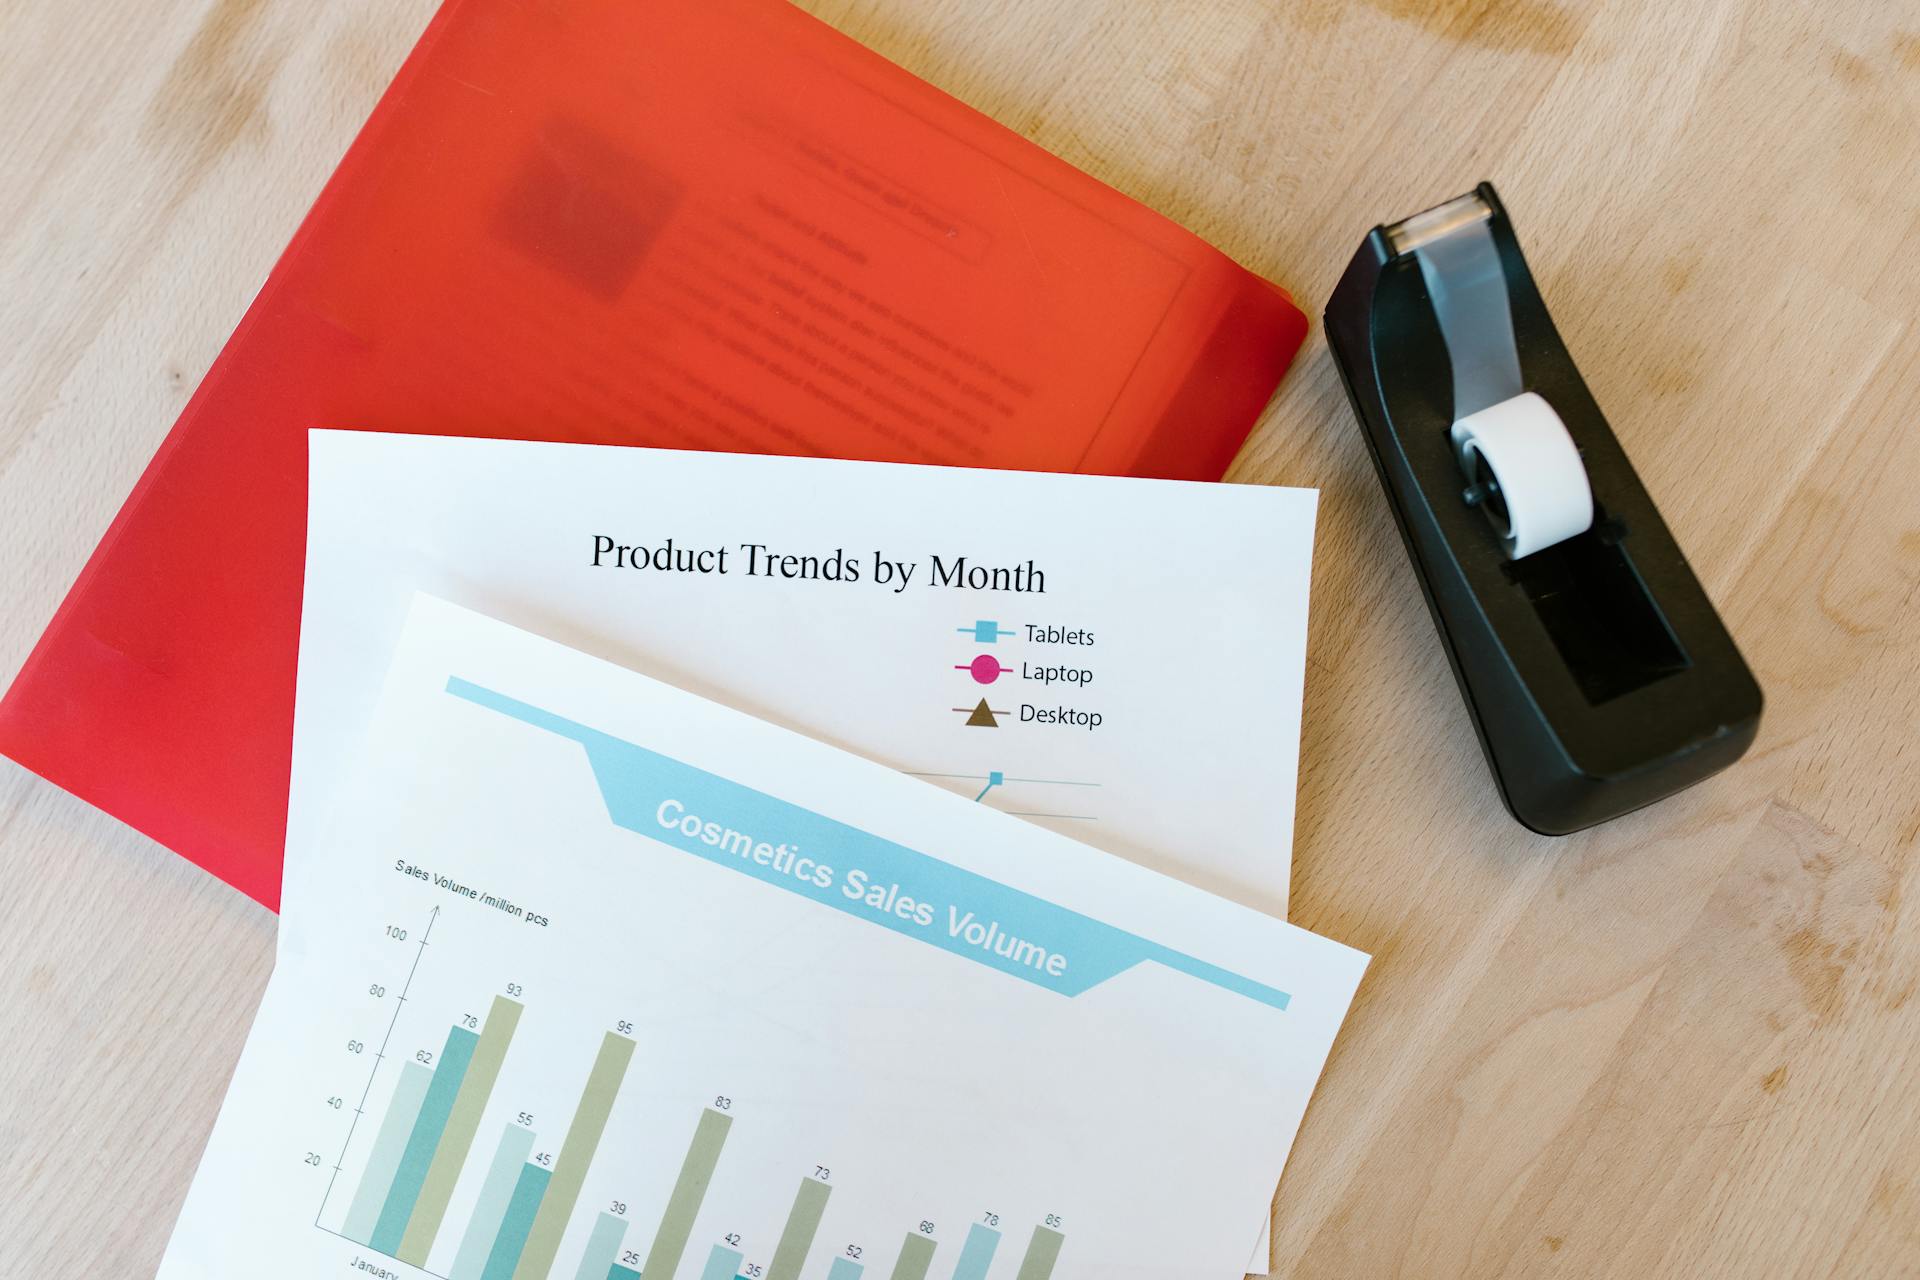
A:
(1541, 495)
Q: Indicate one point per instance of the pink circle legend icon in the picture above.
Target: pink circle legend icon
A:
(985, 669)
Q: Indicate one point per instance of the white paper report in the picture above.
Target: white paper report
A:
(593, 973)
(1118, 659)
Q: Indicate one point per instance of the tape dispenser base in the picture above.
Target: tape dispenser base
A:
(1598, 675)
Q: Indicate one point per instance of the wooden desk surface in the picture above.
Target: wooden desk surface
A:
(1686, 1044)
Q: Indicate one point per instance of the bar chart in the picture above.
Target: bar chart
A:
(638, 986)
(525, 1193)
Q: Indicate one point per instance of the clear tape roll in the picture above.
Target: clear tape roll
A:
(1541, 495)
(1468, 289)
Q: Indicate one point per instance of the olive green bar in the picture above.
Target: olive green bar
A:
(1042, 1252)
(457, 1139)
(683, 1206)
(916, 1256)
(576, 1154)
(808, 1204)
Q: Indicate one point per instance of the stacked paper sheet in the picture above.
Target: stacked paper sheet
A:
(602, 978)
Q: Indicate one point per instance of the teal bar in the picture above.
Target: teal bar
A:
(388, 1146)
(618, 1272)
(722, 1264)
(845, 1269)
(603, 1248)
(517, 1223)
(495, 1194)
(447, 1075)
(977, 1255)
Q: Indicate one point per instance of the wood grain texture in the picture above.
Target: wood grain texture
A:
(1686, 1044)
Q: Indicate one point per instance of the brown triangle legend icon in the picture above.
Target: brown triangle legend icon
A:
(982, 717)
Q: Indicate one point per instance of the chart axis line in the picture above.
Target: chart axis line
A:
(379, 1056)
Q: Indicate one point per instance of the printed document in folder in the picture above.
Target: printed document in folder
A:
(590, 977)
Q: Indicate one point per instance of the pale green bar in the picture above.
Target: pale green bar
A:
(683, 1206)
(603, 1248)
(457, 1139)
(388, 1146)
(1042, 1252)
(722, 1264)
(576, 1153)
(495, 1194)
(916, 1256)
(791, 1254)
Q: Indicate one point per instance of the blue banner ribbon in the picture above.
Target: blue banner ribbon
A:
(856, 872)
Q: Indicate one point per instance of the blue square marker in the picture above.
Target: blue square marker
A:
(985, 631)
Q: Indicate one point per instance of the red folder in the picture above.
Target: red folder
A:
(706, 224)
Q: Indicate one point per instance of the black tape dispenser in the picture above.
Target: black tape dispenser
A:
(1598, 675)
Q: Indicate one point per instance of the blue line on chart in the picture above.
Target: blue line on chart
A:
(996, 778)
(982, 777)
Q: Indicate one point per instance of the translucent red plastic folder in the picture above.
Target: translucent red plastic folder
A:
(706, 224)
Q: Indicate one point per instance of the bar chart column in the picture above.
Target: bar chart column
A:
(689, 1192)
(976, 1255)
(576, 1154)
(491, 1209)
(844, 1269)
(722, 1264)
(407, 1179)
(388, 1146)
(916, 1258)
(1043, 1251)
(809, 1203)
(522, 1208)
(457, 1140)
(603, 1248)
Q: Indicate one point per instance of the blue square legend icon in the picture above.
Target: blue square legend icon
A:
(984, 631)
